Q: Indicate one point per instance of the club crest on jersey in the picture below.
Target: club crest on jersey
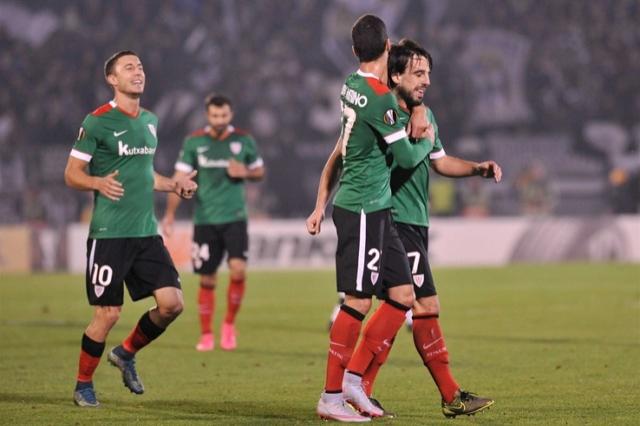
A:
(390, 117)
(98, 289)
(235, 147)
(374, 277)
(152, 129)
(418, 279)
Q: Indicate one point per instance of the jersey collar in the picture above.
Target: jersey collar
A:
(114, 105)
(367, 74)
(230, 129)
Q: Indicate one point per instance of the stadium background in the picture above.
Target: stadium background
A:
(546, 88)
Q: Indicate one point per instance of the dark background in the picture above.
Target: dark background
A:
(550, 89)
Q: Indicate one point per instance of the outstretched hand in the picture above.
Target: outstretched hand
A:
(110, 187)
(185, 186)
(313, 222)
(490, 169)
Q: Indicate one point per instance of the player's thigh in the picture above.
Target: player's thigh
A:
(360, 240)
(152, 268)
(415, 240)
(394, 262)
(108, 262)
(236, 240)
(207, 249)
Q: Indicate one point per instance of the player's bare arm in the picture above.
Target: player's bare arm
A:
(328, 180)
(456, 167)
(76, 177)
(173, 201)
(239, 170)
(183, 186)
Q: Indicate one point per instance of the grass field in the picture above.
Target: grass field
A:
(552, 345)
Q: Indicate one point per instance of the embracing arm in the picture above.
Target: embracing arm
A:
(328, 180)
(409, 155)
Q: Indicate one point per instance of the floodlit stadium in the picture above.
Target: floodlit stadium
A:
(537, 275)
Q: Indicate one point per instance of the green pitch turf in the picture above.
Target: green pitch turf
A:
(552, 344)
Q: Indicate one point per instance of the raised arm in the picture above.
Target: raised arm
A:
(327, 183)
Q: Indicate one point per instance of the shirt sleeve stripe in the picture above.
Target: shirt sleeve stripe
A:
(80, 155)
(393, 137)
(437, 154)
(183, 167)
(256, 164)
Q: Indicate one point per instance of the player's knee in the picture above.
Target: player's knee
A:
(208, 281)
(361, 305)
(172, 309)
(107, 316)
(427, 306)
(237, 269)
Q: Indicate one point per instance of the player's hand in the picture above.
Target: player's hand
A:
(489, 169)
(110, 187)
(314, 220)
(167, 225)
(237, 169)
(185, 186)
(418, 123)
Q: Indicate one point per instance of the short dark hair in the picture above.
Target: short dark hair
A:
(400, 55)
(217, 100)
(369, 37)
(111, 62)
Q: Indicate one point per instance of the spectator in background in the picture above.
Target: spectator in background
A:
(534, 190)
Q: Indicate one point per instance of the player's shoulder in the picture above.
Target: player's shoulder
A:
(196, 137)
(242, 134)
(148, 115)
(102, 110)
(198, 133)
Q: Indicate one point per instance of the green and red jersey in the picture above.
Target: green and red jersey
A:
(111, 139)
(410, 187)
(220, 198)
(370, 129)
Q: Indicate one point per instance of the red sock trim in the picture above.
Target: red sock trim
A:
(429, 342)
(235, 293)
(342, 340)
(135, 341)
(377, 336)
(206, 308)
(87, 366)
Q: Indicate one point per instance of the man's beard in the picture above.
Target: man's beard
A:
(406, 96)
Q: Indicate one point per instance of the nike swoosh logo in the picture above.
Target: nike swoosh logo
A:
(116, 134)
(337, 344)
(202, 149)
(432, 343)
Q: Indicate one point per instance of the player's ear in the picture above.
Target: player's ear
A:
(111, 80)
(353, 49)
(395, 78)
(388, 45)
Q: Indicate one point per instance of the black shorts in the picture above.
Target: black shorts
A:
(415, 240)
(143, 264)
(210, 242)
(370, 255)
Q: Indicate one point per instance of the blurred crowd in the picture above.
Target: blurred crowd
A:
(531, 71)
